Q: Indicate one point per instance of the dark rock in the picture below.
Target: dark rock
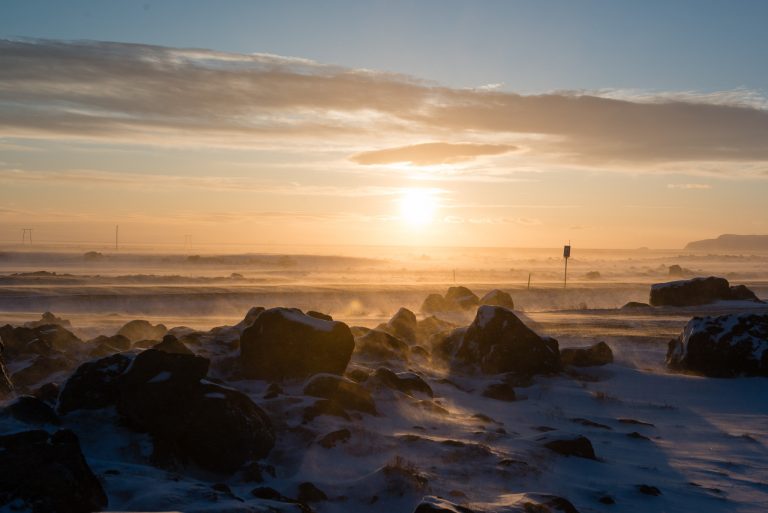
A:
(345, 392)
(596, 354)
(319, 315)
(463, 297)
(606, 499)
(500, 392)
(724, 346)
(637, 436)
(579, 446)
(498, 297)
(590, 423)
(325, 407)
(406, 382)
(430, 326)
(677, 271)
(379, 345)
(41, 368)
(142, 330)
(265, 492)
(435, 303)
(48, 393)
(635, 305)
(635, 422)
(308, 492)
(31, 410)
(402, 325)
(254, 472)
(48, 473)
(697, 291)
(46, 339)
(284, 343)
(498, 341)
(215, 427)
(431, 504)
(49, 318)
(648, 490)
(171, 344)
(249, 318)
(6, 385)
(273, 390)
(335, 437)
(94, 384)
(358, 375)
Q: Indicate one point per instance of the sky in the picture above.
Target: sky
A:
(510, 123)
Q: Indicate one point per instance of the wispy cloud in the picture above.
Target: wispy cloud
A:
(428, 154)
(689, 186)
(158, 95)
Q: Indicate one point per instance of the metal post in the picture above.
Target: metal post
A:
(529, 281)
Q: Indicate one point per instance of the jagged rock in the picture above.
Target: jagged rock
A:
(463, 297)
(31, 410)
(579, 446)
(723, 346)
(498, 297)
(500, 392)
(171, 344)
(142, 330)
(41, 368)
(49, 318)
(319, 315)
(335, 437)
(215, 427)
(94, 384)
(284, 343)
(594, 355)
(250, 316)
(379, 345)
(435, 303)
(345, 392)
(6, 385)
(119, 342)
(308, 492)
(406, 382)
(497, 341)
(432, 504)
(635, 305)
(47, 473)
(430, 326)
(698, 291)
(43, 340)
(402, 325)
(48, 393)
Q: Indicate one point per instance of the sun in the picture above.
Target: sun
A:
(418, 207)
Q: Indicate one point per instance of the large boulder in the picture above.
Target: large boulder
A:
(594, 355)
(142, 330)
(94, 384)
(49, 318)
(342, 391)
(44, 339)
(284, 343)
(380, 345)
(47, 473)
(435, 303)
(498, 341)
(31, 410)
(498, 297)
(463, 297)
(402, 325)
(190, 419)
(406, 382)
(39, 370)
(698, 291)
(723, 346)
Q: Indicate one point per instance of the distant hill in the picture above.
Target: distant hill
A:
(730, 242)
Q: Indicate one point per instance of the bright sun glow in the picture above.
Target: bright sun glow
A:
(418, 207)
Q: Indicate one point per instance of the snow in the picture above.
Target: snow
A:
(313, 322)
(160, 377)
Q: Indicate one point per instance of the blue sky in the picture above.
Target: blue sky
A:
(529, 46)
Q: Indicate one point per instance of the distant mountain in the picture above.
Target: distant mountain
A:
(730, 242)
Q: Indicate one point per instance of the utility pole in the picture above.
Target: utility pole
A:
(117, 233)
(24, 233)
(566, 255)
(529, 281)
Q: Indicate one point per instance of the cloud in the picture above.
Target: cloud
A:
(689, 186)
(131, 93)
(427, 154)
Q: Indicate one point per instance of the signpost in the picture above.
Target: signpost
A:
(566, 255)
